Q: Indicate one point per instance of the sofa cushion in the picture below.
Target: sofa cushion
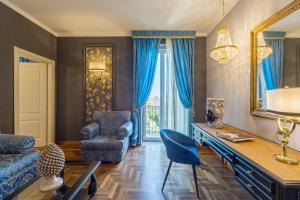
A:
(102, 143)
(13, 164)
(110, 121)
(15, 144)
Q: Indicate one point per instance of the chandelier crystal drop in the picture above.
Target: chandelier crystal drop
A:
(263, 50)
(224, 50)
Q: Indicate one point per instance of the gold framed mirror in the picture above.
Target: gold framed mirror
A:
(275, 57)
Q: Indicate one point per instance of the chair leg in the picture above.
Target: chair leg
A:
(170, 164)
(195, 179)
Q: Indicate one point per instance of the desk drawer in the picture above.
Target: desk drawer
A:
(218, 148)
(261, 180)
(251, 187)
(197, 135)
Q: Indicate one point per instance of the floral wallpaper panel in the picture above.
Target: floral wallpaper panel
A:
(98, 83)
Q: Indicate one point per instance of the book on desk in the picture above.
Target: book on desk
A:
(234, 137)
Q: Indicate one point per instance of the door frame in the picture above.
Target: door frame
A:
(51, 96)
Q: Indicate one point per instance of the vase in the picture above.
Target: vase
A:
(215, 112)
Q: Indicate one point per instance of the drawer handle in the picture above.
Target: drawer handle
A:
(250, 172)
(249, 185)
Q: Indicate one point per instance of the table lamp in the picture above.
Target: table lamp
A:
(286, 103)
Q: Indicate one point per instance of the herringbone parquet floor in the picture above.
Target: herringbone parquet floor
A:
(141, 174)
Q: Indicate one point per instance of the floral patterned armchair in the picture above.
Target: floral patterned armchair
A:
(107, 137)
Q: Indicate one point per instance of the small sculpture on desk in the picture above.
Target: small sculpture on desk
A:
(50, 164)
(215, 112)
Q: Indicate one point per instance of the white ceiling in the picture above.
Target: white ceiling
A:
(120, 17)
(289, 24)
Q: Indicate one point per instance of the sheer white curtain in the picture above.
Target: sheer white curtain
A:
(173, 114)
(261, 82)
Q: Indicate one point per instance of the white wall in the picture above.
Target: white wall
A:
(232, 81)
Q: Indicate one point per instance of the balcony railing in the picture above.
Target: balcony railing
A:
(152, 121)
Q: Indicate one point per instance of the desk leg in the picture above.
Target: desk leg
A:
(92, 186)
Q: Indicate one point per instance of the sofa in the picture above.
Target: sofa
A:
(106, 139)
(17, 162)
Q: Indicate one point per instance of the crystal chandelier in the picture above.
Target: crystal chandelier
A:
(224, 50)
(263, 50)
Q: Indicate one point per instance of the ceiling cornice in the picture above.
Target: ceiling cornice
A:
(28, 16)
(95, 34)
(108, 34)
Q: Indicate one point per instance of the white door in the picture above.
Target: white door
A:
(32, 101)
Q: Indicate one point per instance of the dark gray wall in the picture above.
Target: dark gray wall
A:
(200, 79)
(71, 99)
(291, 54)
(15, 30)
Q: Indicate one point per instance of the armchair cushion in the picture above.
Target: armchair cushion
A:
(102, 143)
(125, 130)
(111, 121)
(14, 144)
(90, 131)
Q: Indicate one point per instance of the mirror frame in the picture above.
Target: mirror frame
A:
(289, 9)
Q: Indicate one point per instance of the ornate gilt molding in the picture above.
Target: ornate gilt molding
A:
(289, 9)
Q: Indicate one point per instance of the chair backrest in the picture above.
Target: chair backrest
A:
(110, 121)
(169, 144)
(180, 148)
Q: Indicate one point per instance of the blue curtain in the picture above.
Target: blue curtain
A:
(274, 62)
(183, 53)
(145, 53)
(267, 73)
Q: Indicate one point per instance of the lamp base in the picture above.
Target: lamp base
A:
(50, 183)
(285, 159)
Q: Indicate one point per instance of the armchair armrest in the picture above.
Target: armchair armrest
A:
(90, 131)
(125, 130)
(14, 144)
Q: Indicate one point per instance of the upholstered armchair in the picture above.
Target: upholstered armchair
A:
(107, 137)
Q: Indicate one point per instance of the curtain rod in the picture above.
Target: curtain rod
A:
(173, 36)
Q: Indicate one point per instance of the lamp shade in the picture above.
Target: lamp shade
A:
(97, 66)
(284, 101)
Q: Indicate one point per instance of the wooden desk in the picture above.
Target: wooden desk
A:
(254, 167)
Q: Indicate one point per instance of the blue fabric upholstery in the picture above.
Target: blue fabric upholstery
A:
(125, 130)
(109, 122)
(90, 131)
(180, 148)
(15, 143)
(164, 33)
(107, 138)
(16, 169)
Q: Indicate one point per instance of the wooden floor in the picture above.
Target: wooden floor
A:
(140, 177)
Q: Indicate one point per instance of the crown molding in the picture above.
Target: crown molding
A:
(28, 16)
(107, 34)
(200, 34)
(94, 34)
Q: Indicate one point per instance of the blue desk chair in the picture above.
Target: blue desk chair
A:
(180, 149)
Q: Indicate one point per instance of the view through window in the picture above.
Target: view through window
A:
(152, 108)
